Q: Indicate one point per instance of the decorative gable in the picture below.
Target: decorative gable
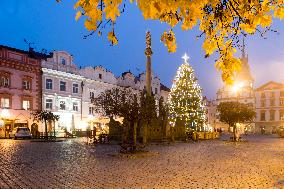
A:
(270, 86)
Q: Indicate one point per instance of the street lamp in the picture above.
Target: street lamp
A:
(236, 88)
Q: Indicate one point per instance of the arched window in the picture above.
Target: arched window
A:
(63, 61)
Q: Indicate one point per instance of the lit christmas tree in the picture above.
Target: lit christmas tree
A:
(185, 99)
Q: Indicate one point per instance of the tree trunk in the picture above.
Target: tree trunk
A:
(46, 135)
(145, 133)
(235, 134)
(54, 128)
(172, 134)
(135, 133)
(126, 132)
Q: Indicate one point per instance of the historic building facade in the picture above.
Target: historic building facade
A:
(211, 113)
(69, 91)
(96, 80)
(34, 81)
(242, 91)
(269, 107)
(62, 90)
(20, 88)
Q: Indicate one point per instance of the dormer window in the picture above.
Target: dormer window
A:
(100, 76)
(63, 61)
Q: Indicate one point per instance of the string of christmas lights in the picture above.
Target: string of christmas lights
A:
(185, 98)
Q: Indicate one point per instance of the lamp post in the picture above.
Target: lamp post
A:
(237, 88)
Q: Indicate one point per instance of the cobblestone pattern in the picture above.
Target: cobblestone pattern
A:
(258, 163)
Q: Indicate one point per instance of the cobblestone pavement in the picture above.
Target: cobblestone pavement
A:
(258, 163)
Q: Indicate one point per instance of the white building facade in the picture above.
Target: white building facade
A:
(62, 90)
(68, 91)
(269, 107)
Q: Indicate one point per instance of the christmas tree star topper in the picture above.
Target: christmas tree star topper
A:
(185, 57)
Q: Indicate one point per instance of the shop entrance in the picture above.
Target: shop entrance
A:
(8, 129)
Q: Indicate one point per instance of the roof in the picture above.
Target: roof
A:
(31, 53)
(164, 88)
(274, 85)
(124, 73)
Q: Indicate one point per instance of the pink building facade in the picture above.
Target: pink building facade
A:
(20, 89)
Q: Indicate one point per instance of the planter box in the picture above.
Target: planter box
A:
(200, 135)
(206, 136)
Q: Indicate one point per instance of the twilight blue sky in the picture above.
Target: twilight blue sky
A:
(52, 26)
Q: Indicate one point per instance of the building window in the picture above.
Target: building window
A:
(63, 61)
(262, 95)
(281, 114)
(282, 93)
(48, 83)
(156, 91)
(62, 105)
(26, 104)
(91, 110)
(62, 86)
(272, 102)
(5, 103)
(75, 106)
(5, 81)
(100, 76)
(26, 84)
(75, 88)
(281, 102)
(272, 94)
(272, 115)
(92, 95)
(262, 116)
(48, 104)
(262, 103)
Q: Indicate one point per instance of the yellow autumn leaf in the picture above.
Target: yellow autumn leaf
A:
(169, 40)
(90, 25)
(112, 38)
(78, 15)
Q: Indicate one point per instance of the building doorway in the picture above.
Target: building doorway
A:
(34, 130)
(8, 129)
